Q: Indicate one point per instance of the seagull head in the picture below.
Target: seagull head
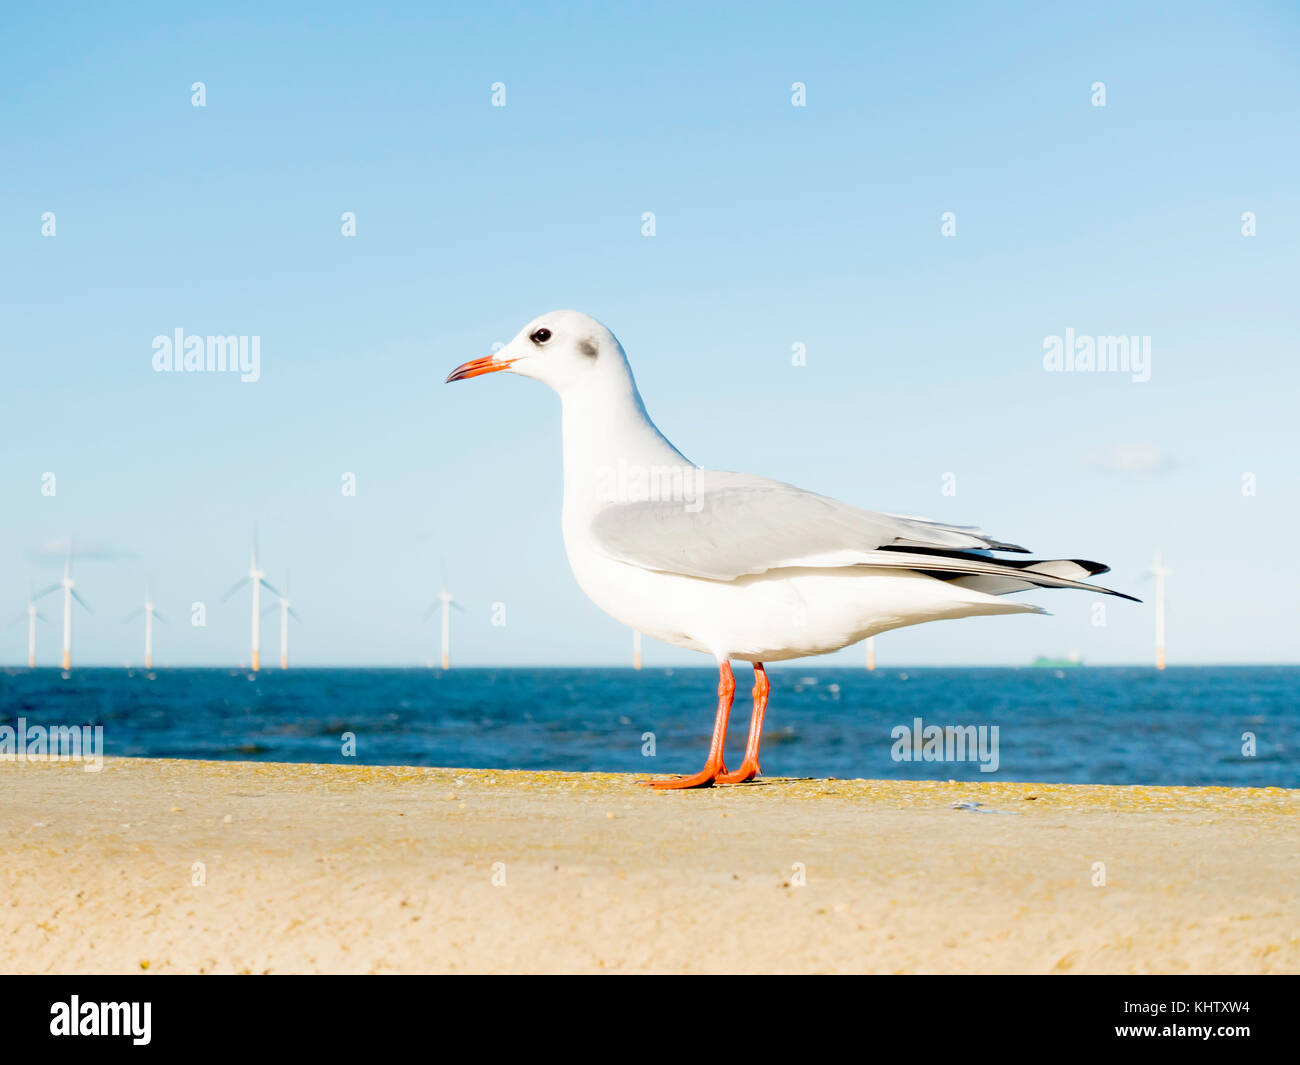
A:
(567, 350)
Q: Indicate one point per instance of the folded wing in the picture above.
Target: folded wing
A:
(730, 525)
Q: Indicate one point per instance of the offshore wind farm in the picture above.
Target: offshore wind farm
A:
(1146, 724)
(444, 602)
(837, 706)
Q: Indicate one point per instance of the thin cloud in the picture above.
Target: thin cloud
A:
(83, 551)
(1134, 460)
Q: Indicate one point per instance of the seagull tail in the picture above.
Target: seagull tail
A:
(981, 572)
(1048, 573)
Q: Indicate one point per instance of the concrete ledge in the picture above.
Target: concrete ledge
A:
(317, 868)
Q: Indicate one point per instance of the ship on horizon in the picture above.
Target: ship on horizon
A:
(1070, 661)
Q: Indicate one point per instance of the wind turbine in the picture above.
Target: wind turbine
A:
(1159, 572)
(149, 614)
(871, 653)
(69, 594)
(257, 579)
(286, 612)
(636, 649)
(32, 614)
(447, 601)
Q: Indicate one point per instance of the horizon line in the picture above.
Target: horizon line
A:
(782, 666)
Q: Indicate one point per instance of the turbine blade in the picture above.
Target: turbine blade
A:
(77, 596)
(294, 614)
(268, 586)
(235, 587)
(430, 612)
(457, 606)
(134, 614)
(158, 617)
(46, 591)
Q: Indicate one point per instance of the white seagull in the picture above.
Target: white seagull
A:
(734, 565)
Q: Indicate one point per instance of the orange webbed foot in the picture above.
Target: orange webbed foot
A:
(705, 778)
(748, 771)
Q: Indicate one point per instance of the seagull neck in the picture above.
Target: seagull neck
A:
(610, 441)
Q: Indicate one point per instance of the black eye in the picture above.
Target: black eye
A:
(541, 336)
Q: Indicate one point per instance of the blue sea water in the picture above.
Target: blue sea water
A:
(1088, 725)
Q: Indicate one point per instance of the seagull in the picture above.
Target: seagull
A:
(734, 565)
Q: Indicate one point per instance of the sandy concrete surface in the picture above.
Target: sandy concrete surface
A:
(312, 868)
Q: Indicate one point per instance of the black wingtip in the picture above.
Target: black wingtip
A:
(1095, 569)
(995, 545)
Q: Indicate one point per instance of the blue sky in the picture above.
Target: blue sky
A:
(775, 225)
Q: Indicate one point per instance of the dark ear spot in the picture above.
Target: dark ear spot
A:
(589, 348)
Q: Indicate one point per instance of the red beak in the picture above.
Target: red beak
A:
(477, 368)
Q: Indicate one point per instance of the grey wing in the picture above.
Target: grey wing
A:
(734, 524)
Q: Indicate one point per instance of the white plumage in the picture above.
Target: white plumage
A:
(734, 565)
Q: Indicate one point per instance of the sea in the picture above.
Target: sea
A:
(1235, 726)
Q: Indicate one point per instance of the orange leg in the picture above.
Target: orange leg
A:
(749, 767)
(713, 768)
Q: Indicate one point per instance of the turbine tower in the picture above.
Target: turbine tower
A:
(32, 615)
(446, 600)
(871, 653)
(636, 649)
(149, 614)
(257, 579)
(286, 612)
(1160, 572)
(69, 594)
